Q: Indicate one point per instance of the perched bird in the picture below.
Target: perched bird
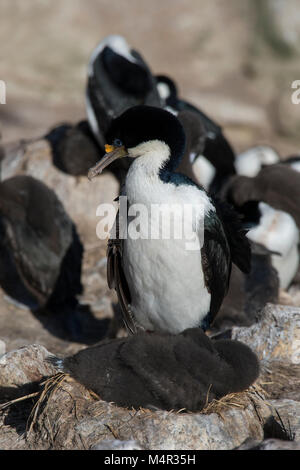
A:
(215, 162)
(278, 232)
(163, 371)
(277, 185)
(251, 161)
(268, 203)
(118, 78)
(168, 284)
(248, 293)
(41, 253)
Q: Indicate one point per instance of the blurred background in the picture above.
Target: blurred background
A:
(236, 60)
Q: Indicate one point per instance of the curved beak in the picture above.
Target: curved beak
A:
(112, 153)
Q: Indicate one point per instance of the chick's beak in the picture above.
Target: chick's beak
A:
(112, 153)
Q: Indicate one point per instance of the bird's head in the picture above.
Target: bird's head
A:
(133, 133)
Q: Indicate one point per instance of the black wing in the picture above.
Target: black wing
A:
(225, 242)
(216, 262)
(116, 278)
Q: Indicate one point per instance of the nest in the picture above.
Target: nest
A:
(239, 400)
(62, 403)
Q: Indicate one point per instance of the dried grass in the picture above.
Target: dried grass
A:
(234, 400)
(49, 387)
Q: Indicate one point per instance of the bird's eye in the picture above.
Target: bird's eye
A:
(118, 143)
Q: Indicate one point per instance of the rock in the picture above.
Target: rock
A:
(117, 445)
(19, 371)
(289, 412)
(269, 444)
(276, 337)
(276, 341)
(24, 366)
(225, 425)
(280, 380)
(69, 416)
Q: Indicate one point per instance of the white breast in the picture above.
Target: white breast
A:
(204, 171)
(278, 232)
(166, 279)
(250, 162)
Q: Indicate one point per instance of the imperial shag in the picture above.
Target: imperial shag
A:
(214, 163)
(163, 371)
(278, 232)
(118, 78)
(160, 283)
(41, 253)
(268, 203)
(277, 185)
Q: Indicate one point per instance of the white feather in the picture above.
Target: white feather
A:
(163, 90)
(295, 165)
(204, 171)
(91, 117)
(278, 232)
(250, 162)
(116, 43)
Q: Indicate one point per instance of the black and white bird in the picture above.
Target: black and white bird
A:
(278, 232)
(251, 161)
(269, 205)
(277, 185)
(163, 284)
(213, 163)
(118, 78)
(41, 253)
(164, 371)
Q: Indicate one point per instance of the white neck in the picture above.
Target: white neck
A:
(149, 156)
(142, 179)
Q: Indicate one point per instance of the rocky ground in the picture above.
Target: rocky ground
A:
(65, 415)
(238, 75)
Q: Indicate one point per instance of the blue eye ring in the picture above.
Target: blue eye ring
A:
(117, 143)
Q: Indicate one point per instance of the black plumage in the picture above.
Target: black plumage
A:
(224, 237)
(41, 251)
(195, 134)
(164, 371)
(74, 148)
(224, 243)
(217, 150)
(277, 185)
(116, 83)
